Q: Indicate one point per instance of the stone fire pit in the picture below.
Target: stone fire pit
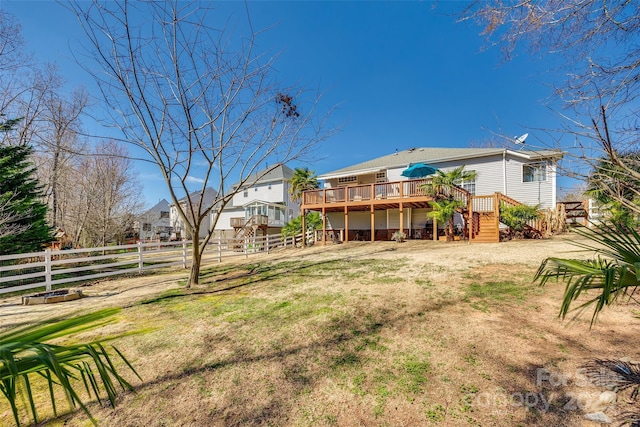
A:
(60, 295)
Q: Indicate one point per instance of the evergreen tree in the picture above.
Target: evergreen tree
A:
(20, 202)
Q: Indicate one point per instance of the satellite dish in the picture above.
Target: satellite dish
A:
(520, 139)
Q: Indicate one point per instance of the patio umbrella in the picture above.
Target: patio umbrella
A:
(418, 170)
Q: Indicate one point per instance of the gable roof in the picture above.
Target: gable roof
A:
(161, 206)
(209, 196)
(433, 156)
(279, 173)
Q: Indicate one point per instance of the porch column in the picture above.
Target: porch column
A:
(373, 224)
(401, 218)
(324, 226)
(304, 229)
(346, 224)
(435, 229)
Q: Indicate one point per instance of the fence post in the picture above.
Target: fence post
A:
(140, 262)
(184, 254)
(246, 247)
(219, 249)
(47, 269)
(267, 243)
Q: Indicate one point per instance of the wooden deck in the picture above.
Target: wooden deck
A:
(481, 213)
(388, 195)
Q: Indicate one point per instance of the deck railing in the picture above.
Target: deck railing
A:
(537, 224)
(368, 192)
(483, 203)
(254, 220)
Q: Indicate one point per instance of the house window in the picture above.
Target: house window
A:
(381, 176)
(534, 172)
(347, 179)
(164, 214)
(146, 227)
(468, 184)
(246, 193)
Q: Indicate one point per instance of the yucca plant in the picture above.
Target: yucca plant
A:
(611, 275)
(33, 353)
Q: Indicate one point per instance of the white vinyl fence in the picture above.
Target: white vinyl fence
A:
(49, 268)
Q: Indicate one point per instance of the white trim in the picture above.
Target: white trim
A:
(354, 173)
(504, 172)
(262, 202)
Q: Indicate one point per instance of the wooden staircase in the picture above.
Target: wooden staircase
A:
(485, 228)
(484, 212)
(248, 227)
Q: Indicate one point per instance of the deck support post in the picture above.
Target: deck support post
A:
(373, 224)
(324, 226)
(496, 212)
(401, 218)
(346, 224)
(435, 229)
(470, 218)
(304, 229)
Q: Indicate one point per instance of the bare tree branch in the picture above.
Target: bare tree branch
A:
(197, 100)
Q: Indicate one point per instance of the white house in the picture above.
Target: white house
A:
(178, 230)
(377, 199)
(155, 224)
(265, 203)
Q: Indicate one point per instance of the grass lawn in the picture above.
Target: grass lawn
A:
(385, 334)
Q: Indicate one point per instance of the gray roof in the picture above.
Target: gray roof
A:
(279, 173)
(433, 156)
(161, 206)
(209, 196)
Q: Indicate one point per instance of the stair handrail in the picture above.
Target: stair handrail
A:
(535, 225)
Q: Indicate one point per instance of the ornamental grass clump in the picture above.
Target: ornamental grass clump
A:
(33, 358)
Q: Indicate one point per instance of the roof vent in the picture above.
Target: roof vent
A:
(411, 150)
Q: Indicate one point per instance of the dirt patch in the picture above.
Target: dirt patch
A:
(418, 333)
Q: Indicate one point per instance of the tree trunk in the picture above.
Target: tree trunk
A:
(196, 258)
(54, 189)
(450, 228)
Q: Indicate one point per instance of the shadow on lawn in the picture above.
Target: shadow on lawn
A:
(345, 345)
(252, 274)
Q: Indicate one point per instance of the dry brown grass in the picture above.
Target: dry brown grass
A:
(384, 334)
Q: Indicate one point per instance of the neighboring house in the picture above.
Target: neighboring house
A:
(263, 205)
(155, 223)
(178, 230)
(370, 200)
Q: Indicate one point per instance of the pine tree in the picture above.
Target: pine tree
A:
(20, 204)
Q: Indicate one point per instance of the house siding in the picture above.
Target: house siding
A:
(177, 224)
(490, 178)
(531, 193)
(276, 192)
(489, 171)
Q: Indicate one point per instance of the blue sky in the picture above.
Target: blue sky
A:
(402, 74)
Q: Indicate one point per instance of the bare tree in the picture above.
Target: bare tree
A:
(58, 139)
(597, 43)
(109, 194)
(198, 102)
